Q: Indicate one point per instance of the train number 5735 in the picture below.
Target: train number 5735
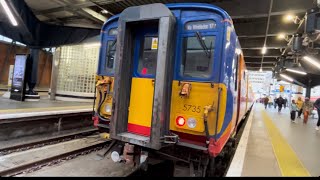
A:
(192, 108)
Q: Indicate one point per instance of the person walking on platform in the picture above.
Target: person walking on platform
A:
(317, 106)
(280, 103)
(285, 101)
(275, 102)
(293, 109)
(299, 106)
(266, 101)
(307, 109)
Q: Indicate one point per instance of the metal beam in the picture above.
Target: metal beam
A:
(267, 30)
(297, 11)
(76, 6)
(68, 6)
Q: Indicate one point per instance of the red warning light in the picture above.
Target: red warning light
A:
(180, 121)
(144, 71)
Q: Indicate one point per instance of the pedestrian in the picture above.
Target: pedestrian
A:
(307, 109)
(266, 101)
(275, 102)
(285, 102)
(280, 103)
(299, 106)
(317, 106)
(293, 109)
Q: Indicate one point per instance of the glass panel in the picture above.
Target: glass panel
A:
(111, 56)
(113, 32)
(195, 62)
(77, 68)
(148, 56)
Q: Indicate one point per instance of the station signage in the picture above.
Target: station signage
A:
(18, 78)
(200, 25)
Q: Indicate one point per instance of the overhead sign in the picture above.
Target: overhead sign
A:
(18, 78)
(200, 25)
(154, 44)
(281, 88)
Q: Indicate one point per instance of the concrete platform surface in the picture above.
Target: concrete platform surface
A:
(276, 146)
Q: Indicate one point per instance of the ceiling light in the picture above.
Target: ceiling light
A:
(312, 61)
(104, 11)
(296, 71)
(8, 12)
(264, 50)
(289, 17)
(260, 70)
(281, 36)
(286, 77)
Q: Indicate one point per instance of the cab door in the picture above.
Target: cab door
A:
(143, 78)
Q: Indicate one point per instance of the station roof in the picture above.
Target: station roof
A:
(258, 22)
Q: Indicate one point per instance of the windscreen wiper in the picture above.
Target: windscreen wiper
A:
(203, 44)
(111, 47)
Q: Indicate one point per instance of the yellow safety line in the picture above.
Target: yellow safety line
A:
(46, 108)
(288, 161)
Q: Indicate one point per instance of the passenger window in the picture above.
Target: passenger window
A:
(148, 56)
(196, 61)
(235, 67)
(111, 55)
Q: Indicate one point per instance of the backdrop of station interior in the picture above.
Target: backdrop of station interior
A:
(66, 74)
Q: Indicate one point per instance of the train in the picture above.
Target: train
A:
(172, 83)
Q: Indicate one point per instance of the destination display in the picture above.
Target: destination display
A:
(200, 25)
(18, 79)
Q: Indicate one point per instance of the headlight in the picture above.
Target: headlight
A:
(108, 108)
(191, 122)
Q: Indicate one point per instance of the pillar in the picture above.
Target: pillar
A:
(308, 89)
(32, 71)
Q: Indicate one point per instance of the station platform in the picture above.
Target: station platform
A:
(272, 145)
(15, 109)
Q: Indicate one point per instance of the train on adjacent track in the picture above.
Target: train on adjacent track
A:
(172, 81)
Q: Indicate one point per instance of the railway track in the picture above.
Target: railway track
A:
(49, 141)
(30, 160)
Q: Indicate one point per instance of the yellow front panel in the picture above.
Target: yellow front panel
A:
(201, 95)
(141, 98)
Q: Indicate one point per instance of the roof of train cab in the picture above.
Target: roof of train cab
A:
(173, 6)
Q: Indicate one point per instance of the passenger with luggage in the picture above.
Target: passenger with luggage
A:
(307, 109)
(299, 106)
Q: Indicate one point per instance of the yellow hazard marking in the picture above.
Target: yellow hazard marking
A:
(154, 44)
(2, 111)
(288, 161)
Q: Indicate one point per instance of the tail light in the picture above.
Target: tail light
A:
(180, 121)
(95, 121)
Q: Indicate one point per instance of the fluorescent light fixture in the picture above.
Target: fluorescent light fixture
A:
(8, 12)
(289, 17)
(281, 36)
(264, 50)
(286, 77)
(312, 61)
(296, 71)
(104, 11)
